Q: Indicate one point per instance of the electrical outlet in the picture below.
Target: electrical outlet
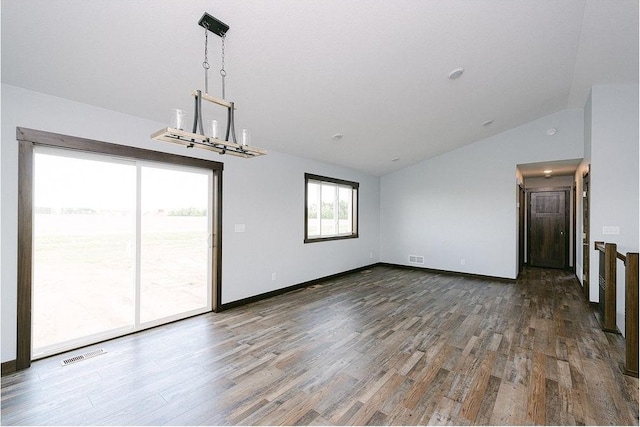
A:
(463, 261)
(415, 259)
(371, 255)
(273, 276)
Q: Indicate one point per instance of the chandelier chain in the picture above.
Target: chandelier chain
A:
(205, 63)
(223, 72)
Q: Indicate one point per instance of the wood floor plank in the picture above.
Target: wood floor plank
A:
(369, 411)
(438, 389)
(536, 409)
(425, 381)
(474, 398)
(287, 410)
(343, 389)
(387, 346)
(488, 401)
(446, 413)
(511, 404)
(251, 411)
(409, 364)
(51, 412)
(600, 393)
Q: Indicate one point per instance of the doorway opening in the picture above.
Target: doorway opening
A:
(549, 213)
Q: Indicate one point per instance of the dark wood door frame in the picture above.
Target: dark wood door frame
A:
(574, 206)
(521, 227)
(585, 233)
(567, 191)
(27, 140)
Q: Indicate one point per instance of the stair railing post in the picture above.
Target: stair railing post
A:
(631, 314)
(610, 251)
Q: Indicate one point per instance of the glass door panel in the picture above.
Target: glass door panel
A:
(83, 248)
(175, 258)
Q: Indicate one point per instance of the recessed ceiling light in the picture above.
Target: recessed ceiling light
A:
(548, 171)
(337, 137)
(395, 159)
(547, 176)
(487, 122)
(454, 74)
(552, 131)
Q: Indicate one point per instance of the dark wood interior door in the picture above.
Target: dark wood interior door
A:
(548, 229)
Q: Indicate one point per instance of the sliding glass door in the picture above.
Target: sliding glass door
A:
(119, 245)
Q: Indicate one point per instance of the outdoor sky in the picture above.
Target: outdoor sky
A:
(76, 180)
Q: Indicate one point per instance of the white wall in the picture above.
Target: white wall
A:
(269, 200)
(611, 124)
(554, 181)
(462, 205)
(266, 194)
(583, 168)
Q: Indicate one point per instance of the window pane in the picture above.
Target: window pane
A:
(84, 248)
(313, 209)
(174, 256)
(331, 208)
(344, 210)
(328, 227)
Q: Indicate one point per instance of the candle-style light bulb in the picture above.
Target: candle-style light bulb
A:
(214, 129)
(177, 120)
(245, 137)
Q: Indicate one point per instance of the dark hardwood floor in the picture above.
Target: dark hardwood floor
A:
(385, 346)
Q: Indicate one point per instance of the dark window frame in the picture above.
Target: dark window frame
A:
(355, 187)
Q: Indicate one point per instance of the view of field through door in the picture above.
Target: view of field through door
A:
(119, 245)
(175, 242)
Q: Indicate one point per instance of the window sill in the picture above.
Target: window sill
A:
(325, 239)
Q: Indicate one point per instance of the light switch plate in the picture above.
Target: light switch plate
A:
(610, 229)
(239, 228)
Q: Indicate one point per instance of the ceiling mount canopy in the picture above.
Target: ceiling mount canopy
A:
(214, 25)
(176, 133)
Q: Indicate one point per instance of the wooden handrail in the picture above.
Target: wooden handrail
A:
(601, 246)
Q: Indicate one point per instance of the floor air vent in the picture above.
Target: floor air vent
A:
(82, 357)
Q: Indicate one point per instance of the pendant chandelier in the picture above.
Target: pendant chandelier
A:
(175, 133)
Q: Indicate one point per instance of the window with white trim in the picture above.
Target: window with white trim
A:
(331, 208)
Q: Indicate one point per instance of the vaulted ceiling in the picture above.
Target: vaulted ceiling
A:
(302, 71)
